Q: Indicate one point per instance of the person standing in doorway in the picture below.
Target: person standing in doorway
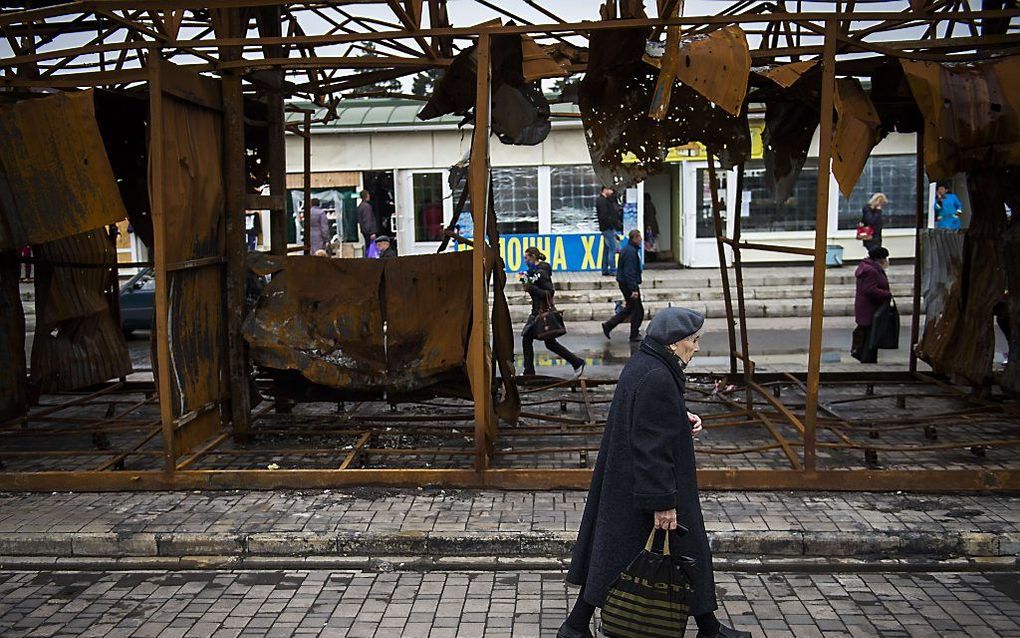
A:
(318, 237)
(367, 222)
(628, 276)
(872, 291)
(871, 217)
(542, 291)
(948, 208)
(610, 218)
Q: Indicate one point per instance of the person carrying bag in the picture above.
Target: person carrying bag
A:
(545, 322)
(650, 598)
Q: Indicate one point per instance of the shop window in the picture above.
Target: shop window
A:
(427, 190)
(515, 193)
(760, 212)
(894, 175)
(573, 190)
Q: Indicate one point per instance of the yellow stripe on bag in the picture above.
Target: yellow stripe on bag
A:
(643, 618)
(660, 614)
(641, 600)
(629, 628)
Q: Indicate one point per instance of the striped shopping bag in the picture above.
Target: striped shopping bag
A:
(649, 599)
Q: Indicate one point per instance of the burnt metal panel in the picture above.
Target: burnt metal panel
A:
(78, 341)
(858, 130)
(941, 262)
(616, 96)
(55, 178)
(971, 114)
(13, 382)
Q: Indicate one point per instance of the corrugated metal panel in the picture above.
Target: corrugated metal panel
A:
(55, 177)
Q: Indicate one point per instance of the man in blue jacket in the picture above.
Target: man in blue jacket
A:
(948, 208)
(628, 276)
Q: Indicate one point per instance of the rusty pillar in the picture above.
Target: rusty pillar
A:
(307, 185)
(278, 171)
(920, 223)
(720, 237)
(479, 368)
(157, 194)
(235, 186)
(738, 273)
(821, 240)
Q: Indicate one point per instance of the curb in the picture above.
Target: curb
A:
(508, 545)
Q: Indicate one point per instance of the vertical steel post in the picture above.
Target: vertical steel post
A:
(821, 240)
(920, 223)
(479, 369)
(157, 193)
(738, 273)
(278, 170)
(308, 185)
(713, 185)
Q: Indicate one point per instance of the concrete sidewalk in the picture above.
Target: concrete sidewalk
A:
(432, 523)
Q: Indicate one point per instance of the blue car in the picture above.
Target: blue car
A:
(137, 300)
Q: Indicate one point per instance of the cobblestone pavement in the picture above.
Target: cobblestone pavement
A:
(467, 605)
(430, 510)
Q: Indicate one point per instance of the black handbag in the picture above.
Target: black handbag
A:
(885, 328)
(549, 323)
(650, 597)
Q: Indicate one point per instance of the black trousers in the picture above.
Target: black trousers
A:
(859, 345)
(528, 345)
(632, 309)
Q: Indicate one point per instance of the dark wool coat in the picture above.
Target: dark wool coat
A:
(872, 291)
(645, 464)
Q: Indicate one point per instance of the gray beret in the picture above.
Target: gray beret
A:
(674, 324)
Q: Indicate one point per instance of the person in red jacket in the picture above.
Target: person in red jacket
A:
(872, 292)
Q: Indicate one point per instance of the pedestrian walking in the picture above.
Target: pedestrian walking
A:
(869, 230)
(628, 276)
(645, 479)
(610, 218)
(319, 235)
(367, 222)
(872, 292)
(253, 228)
(948, 208)
(540, 286)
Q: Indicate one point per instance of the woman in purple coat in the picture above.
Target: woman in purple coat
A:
(872, 292)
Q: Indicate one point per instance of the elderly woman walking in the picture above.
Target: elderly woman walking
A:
(645, 478)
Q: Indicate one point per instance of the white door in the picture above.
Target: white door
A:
(700, 250)
(423, 210)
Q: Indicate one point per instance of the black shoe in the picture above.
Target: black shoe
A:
(566, 631)
(606, 329)
(579, 370)
(726, 632)
(636, 337)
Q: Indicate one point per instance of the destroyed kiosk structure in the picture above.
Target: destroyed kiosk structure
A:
(172, 115)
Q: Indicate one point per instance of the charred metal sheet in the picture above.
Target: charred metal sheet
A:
(715, 65)
(961, 341)
(520, 112)
(615, 98)
(13, 382)
(791, 119)
(1011, 263)
(786, 75)
(941, 263)
(890, 93)
(971, 114)
(537, 64)
(78, 341)
(55, 177)
(858, 130)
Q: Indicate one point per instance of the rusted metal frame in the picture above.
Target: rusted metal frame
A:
(201, 262)
(720, 235)
(928, 481)
(203, 451)
(412, 28)
(920, 223)
(782, 409)
(357, 450)
(33, 454)
(478, 183)
(668, 9)
(793, 250)
(587, 401)
(90, 423)
(78, 400)
(509, 14)
(153, 433)
(157, 194)
(968, 396)
(934, 447)
(751, 415)
(544, 11)
(365, 23)
(747, 364)
(132, 25)
(917, 49)
(100, 36)
(903, 22)
(821, 234)
(318, 62)
(235, 189)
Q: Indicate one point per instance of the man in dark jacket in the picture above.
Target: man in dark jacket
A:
(366, 219)
(386, 249)
(872, 292)
(645, 477)
(628, 276)
(610, 218)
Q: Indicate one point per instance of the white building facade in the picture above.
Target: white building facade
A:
(549, 189)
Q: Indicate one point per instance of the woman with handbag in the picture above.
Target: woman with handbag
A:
(869, 229)
(645, 479)
(545, 322)
(872, 292)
